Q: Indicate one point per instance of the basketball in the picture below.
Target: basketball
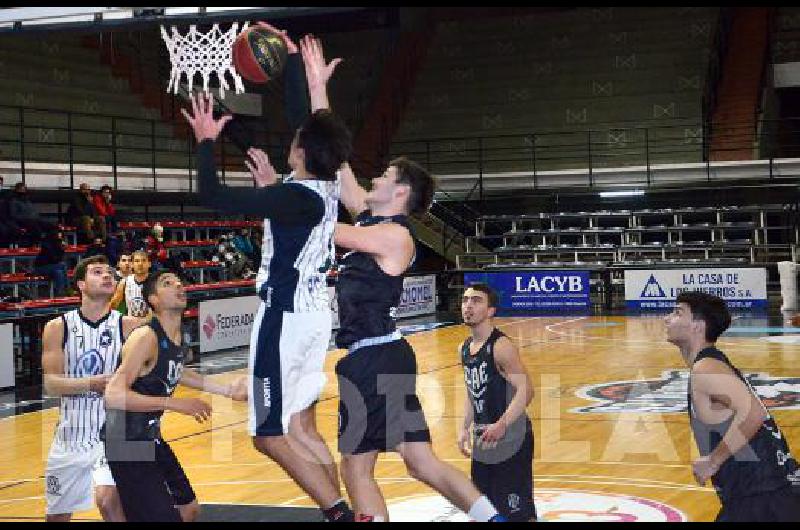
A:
(259, 54)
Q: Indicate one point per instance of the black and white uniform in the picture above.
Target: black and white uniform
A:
(292, 328)
(134, 299)
(77, 457)
(150, 480)
(378, 405)
(505, 473)
(761, 482)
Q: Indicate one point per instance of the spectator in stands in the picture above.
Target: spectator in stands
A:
(157, 252)
(256, 237)
(82, 213)
(154, 246)
(115, 246)
(244, 244)
(106, 213)
(50, 261)
(23, 213)
(235, 262)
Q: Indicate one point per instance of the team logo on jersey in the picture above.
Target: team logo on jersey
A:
(513, 502)
(106, 338)
(137, 307)
(53, 486)
(90, 363)
(668, 394)
(174, 372)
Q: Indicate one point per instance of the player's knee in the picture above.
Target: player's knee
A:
(421, 466)
(267, 445)
(356, 467)
(107, 503)
(189, 512)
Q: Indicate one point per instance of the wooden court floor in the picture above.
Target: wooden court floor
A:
(627, 441)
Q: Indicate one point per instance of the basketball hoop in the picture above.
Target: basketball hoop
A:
(204, 54)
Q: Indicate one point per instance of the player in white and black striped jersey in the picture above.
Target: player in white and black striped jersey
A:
(129, 288)
(292, 328)
(80, 353)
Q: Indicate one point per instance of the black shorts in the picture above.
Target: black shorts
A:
(774, 506)
(378, 404)
(149, 489)
(505, 475)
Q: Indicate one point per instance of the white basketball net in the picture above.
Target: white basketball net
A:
(204, 54)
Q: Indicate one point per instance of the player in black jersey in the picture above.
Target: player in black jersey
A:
(498, 391)
(742, 449)
(151, 482)
(379, 410)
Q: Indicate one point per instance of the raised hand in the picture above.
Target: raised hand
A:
(261, 169)
(318, 72)
(291, 47)
(202, 120)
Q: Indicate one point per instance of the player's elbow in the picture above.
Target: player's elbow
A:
(114, 398)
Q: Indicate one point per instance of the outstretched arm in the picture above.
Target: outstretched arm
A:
(318, 72)
(294, 81)
(139, 351)
(353, 196)
(286, 203)
(236, 390)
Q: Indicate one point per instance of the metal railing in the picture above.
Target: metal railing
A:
(618, 146)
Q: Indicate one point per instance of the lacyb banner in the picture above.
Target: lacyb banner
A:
(539, 290)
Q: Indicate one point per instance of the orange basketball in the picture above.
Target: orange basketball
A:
(259, 54)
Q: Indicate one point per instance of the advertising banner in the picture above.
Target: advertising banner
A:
(7, 355)
(540, 290)
(226, 323)
(741, 288)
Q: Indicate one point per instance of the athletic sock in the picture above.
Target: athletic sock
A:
(482, 511)
(339, 513)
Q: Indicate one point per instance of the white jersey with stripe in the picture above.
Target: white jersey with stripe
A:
(134, 299)
(296, 258)
(90, 349)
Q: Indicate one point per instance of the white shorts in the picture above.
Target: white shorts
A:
(287, 359)
(71, 476)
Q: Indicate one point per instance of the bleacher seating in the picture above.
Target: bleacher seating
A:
(786, 41)
(70, 95)
(571, 77)
(670, 236)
